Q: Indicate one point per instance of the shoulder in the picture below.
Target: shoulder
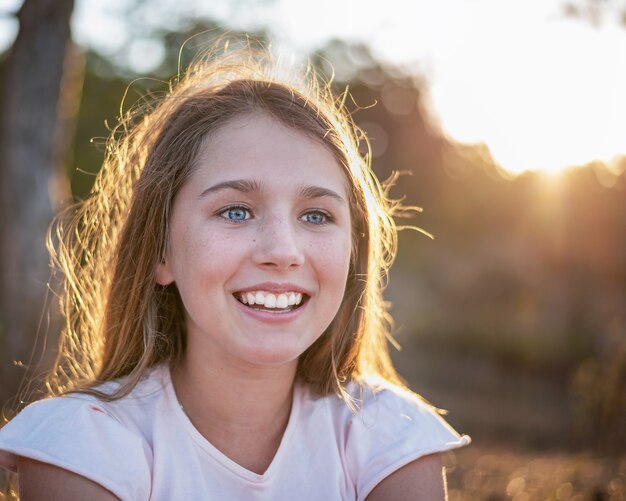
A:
(99, 440)
(84, 409)
(383, 409)
(390, 428)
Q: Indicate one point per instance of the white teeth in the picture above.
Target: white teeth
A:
(270, 300)
(282, 301)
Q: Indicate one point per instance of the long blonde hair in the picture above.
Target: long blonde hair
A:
(118, 321)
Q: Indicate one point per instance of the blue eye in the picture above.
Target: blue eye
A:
(316, 217)
(235, 214)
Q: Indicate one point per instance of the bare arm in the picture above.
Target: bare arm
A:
(43, 482)
(423, 478)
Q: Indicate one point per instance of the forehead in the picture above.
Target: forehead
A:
(261, 148)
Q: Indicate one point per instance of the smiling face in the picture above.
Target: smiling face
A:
(259, 243)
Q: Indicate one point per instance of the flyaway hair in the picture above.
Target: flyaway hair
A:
(118, 320)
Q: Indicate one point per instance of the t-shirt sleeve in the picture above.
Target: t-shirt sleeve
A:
(392, 428)
(79, 435)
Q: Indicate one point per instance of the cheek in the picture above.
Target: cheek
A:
(200, 256)
(332, 260)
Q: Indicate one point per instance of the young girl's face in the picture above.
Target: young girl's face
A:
(259, 244)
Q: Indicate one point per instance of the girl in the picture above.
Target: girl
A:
(225, 328)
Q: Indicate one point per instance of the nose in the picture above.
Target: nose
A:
(278, 245)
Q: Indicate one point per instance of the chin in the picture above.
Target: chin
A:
(273, 356)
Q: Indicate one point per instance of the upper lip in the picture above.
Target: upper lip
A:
(276, 287)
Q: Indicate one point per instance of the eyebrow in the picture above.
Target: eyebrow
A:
(251, 186)
(319, 192)
(243, 185)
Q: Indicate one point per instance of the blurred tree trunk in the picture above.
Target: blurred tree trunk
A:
(36, 100)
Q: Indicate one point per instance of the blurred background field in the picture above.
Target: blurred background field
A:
(514, 317)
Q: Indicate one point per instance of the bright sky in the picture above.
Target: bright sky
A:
(543, 91)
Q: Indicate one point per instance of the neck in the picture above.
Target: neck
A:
(242, 411)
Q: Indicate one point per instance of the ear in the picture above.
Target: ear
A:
(163, 274)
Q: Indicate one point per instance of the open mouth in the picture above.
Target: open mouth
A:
(272, 302)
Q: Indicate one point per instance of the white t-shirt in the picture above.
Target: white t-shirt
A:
(143, 446)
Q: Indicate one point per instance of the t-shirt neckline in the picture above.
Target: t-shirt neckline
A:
(217, 455)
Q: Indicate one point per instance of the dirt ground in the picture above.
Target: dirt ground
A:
(494, 473)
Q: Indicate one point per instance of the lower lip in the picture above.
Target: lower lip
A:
(268, 317)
